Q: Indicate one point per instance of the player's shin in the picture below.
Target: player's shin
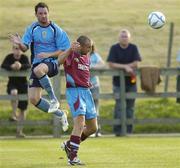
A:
(43, 105)
(46, 84)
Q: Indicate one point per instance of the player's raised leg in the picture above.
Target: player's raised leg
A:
(42, 104)
(41, 73)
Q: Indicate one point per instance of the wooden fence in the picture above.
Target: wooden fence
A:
(123, 95)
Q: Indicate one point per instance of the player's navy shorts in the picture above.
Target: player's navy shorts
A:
(22, 89)
(81, 102)
(53, 70)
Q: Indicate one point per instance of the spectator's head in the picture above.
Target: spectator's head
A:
(85, 44)
(42, 13)
(124, 37)
(16, 51)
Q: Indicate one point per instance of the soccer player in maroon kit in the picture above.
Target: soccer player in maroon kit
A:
(76, 62)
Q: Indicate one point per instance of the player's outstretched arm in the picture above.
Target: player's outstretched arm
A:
(62, 57)
(16, 39)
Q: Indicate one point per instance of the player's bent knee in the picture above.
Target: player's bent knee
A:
(34, 100)
(37, 71)
(40, 70)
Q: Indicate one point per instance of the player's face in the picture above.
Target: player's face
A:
(86, 48)
(42, 16)
(124, 38)
(16, 52)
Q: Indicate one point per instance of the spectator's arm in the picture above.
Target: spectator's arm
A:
(116, 65)
(125, 67)
(134, 64)
(25, 65)
(6, 64)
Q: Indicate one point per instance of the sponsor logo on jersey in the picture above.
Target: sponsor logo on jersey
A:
(83, 67)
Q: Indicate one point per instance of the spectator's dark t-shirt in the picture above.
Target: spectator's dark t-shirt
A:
(8, 61)
(123, 56)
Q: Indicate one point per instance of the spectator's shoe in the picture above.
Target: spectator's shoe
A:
(64, 121)
(93, 135)
(65, 148)
(98, 134)
(20, 135)
(75, 161)
(54, 105)
(13, 118)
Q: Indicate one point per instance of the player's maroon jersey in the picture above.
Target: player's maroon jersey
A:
(77, 71)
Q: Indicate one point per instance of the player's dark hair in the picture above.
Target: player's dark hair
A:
(83, 40)
(41, 5)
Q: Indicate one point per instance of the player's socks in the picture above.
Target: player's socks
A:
(46, 84)
(44, 105)
(83, 137)
(74, 146)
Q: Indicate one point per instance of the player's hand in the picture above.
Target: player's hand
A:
(43, 55)
(15, 39)
(75, 46)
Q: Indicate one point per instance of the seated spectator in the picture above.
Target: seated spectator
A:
(16, 61)
(96, 62)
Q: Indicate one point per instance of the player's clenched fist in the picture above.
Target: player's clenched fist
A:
(75, 46)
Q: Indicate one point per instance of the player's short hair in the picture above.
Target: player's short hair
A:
(41, 5)
(83, 40)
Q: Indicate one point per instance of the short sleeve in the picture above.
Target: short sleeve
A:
(27, 37)
(137, 56)
(98, 58)
(112, 55)
(62, 40)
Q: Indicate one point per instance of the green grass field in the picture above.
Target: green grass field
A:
(128, 152)
(145, 109)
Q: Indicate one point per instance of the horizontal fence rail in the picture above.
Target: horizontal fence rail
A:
(123, 95)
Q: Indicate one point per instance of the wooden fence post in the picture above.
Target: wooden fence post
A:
(56, 121)
(123, 103)
(170, 44)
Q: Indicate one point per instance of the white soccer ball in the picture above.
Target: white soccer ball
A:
(156, 20)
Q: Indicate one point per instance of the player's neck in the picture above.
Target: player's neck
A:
(44, 24)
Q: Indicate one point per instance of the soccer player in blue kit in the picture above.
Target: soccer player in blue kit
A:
(46, 41)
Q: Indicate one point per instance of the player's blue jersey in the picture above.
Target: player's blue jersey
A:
(45, 39)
